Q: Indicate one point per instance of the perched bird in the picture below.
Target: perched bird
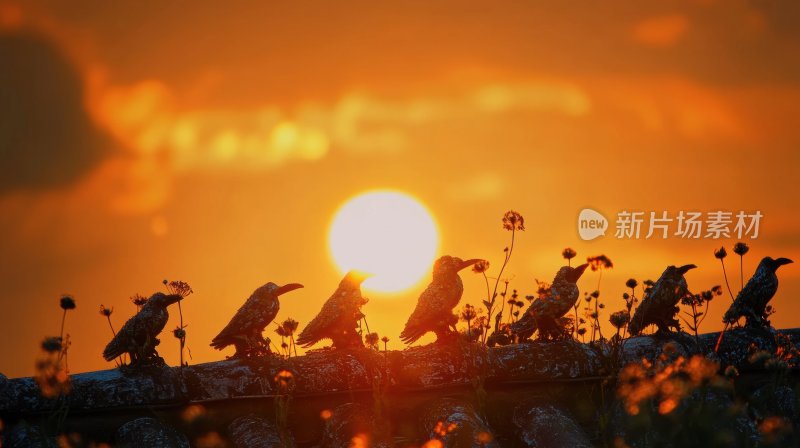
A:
(543, 312)
(751, 302)
(244, 330)
(434, 311)
(659, 306)
(339, 316)
(138, 337)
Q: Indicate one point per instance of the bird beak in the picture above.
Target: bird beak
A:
(173, 298)
(360, 276)
(287, 288)
(686, 268)
(782, 261)
(468, 263)
(576, 273)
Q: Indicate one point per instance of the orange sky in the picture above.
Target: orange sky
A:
(214, 146)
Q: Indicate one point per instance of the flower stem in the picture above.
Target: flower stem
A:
(63, 319)
(741, 272)
(725, 274)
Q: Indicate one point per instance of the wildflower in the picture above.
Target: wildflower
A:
(568, 254)
(721, 253)
(371, 340)
(52, 378)
(284, 380)
(468, 313)
(529, 298)
(179, 333)
(632, 283)
(599, 262)
(67, 302)
(480, 267)
(289, 326)
(51, 344)
(138, 300)
(581, 331)
(619, 319)
(385, 341)
(595, 294)
(179, 288)
(740, 249)
(513, 221)
(106, 311)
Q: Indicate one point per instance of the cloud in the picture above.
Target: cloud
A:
(481, 187)
(662, 31)
(47, 139)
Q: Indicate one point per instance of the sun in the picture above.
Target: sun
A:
(386, 233)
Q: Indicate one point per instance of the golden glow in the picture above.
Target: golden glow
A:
(386, 233)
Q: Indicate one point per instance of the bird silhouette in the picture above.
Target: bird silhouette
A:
(543, 312)
(434, 310)
(138, 337)
(752, 300)
(659, 306)
(245, 328)
(339, 316)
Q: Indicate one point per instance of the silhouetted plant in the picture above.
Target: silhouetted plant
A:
(630, 301)
(740, 249)
(678, 401)
(285, 330)
(695, 302)
(180, 335)
(619, 320)
(67, 303)
(181, 289)
(568, 254)
(385, 341)
(106, 312)
(371, 339)
(290, 328)
(467, 314)
(139, 301)
(513, 222)
(720, 255)
(284, 386)
(593, 314)
(50, 374)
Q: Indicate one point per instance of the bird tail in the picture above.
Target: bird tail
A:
(218, 343)
(635, 326)
(411, 333)
(523, 326)
(305, 340)
(114, 349)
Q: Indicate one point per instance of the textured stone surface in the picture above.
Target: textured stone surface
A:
(148, 432)
(546, 426)
(251, 431)
(456, 424)
(23, 435)
(350, 425)
(325, 378)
